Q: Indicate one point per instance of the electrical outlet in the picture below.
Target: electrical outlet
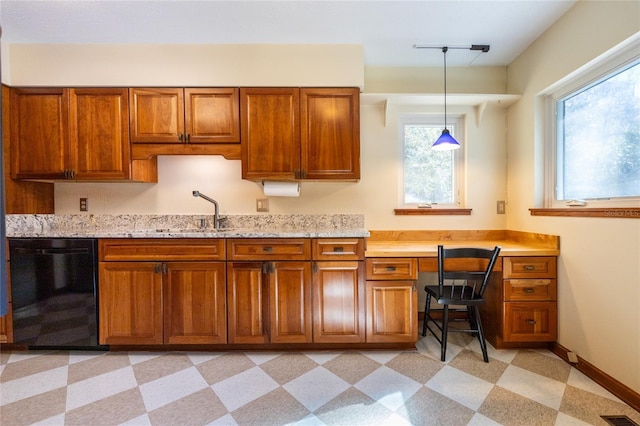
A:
(501, 206)
(262, 204)
(84, 204)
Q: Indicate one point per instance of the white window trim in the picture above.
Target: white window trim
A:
(597, 69)
(459, 165)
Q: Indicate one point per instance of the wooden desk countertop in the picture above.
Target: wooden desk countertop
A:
(425, 243)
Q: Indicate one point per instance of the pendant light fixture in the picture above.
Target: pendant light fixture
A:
(445, 142)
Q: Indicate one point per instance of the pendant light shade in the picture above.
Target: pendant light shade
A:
(445, 142)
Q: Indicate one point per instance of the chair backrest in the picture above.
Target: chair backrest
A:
(476, 279)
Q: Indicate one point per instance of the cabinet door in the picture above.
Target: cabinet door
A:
(157, 115)
(338, 302)
(270, 133)
(247, 300)
(392, 311)
(212, 115)
(99, 133)
(195, 302)
(530, 322)
(330, 133)
(130, 303)
(290, 302)
(39, 133)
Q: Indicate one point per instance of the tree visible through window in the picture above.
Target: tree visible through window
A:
(428, 176)
(598, 138)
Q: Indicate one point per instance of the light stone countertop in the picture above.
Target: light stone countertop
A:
(185, 226)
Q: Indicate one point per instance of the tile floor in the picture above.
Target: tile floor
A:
(303, 388)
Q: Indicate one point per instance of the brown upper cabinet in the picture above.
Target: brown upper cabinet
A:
(300, 133)
(179, 116)
(61, 133)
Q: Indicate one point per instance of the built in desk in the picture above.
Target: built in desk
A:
(521, 299)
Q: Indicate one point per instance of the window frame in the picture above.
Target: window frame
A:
(455, 122)
(590, 75)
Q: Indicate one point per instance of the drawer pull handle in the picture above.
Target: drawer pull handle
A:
(529, 268)
(529, 290)
(531, 322)
(338, 249)
(267, 249)
(391, 268)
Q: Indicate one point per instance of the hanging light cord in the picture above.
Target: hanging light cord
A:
(444, 51)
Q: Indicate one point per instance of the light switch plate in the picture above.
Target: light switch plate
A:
(262, 204)
(501, 207)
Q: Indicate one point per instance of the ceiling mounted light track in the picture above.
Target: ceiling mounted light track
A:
(447, 142)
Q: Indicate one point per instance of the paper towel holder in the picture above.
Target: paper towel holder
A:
(281, 188)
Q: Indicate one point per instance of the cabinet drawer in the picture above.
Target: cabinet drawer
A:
(269, 249)
(531, 322)
(156, 249)
(531, 289)
(380, 268)
(529, 267)
(337, 248)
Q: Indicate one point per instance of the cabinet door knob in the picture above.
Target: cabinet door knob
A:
(180, 137)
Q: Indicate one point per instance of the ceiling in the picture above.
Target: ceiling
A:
(388, 30)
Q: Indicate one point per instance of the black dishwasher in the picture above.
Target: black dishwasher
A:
(54, 288)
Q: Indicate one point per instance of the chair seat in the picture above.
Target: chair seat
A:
(453, 294)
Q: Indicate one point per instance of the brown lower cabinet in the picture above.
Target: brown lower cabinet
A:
(269, 302)
(162, 292)
(392, 300)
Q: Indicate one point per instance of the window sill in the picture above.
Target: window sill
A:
(612, 212)
(432, 212)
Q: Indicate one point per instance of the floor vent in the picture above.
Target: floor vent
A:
(619, 421)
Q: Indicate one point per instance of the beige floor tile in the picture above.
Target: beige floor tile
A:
(277, 407)
(588, 406)
(510, 408)
(472, 363)
(416, 366)
(34, 365)
(351, 366)
(288, 366)
(225, 366)
(95, 366)
(112, 410)
(164, 365)
(353, 407)
(200, 408)
(553, 368)
(34, 409)
(427, 407)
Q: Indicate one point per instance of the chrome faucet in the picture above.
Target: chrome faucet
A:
(216, 217)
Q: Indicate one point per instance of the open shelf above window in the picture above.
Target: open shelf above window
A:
(478, 101)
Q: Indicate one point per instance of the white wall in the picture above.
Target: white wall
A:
(375, 195)
(598, 268)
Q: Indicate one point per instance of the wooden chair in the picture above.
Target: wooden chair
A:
(463, 289)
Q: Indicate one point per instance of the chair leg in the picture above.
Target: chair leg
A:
(427, 308)
(483, 343)
(445, 329)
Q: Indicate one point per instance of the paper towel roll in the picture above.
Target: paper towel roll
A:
(281, 189)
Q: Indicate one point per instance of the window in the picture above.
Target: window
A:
(428, 176)
(595, 136)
